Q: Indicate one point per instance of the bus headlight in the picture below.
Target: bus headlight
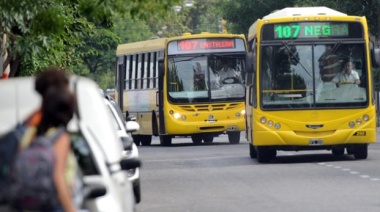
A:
(177, 115)
(277, 126)
(270, 123)
(351, 124)
(359, 121)
(366, 117)
(183, 117)
(263, 120)
(237, 115)
(242, 112)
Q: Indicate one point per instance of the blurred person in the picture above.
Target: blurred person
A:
(347, 75)
(57, 109)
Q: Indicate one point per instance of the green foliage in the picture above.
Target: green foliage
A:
(241, 14)
(56, 32)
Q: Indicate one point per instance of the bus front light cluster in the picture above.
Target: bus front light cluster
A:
(177, 115)
(270, 123)
(359, 121)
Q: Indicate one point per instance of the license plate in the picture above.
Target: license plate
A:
(232, 128)
(315, 142)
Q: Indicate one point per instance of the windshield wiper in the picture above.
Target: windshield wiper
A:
(295, 56)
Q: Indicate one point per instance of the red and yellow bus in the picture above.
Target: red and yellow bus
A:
(295, 98)
(173, 87)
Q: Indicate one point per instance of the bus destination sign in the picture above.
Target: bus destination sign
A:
(310, 30)
(204, 44)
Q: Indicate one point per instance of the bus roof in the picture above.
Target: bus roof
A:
(295, 12)
(304, 11)
(141, 46)
(159, 43)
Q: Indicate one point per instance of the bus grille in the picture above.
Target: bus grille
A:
(210, 107)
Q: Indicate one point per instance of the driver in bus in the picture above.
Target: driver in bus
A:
(347, 75)
(227, 72)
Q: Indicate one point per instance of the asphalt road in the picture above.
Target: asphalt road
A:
(223, 178)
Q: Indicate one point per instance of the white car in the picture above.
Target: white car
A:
(124, 129)
(94, 141)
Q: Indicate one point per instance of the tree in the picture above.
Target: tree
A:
(241, 14)
(48, 32)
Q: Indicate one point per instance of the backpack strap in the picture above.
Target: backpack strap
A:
(54, 133)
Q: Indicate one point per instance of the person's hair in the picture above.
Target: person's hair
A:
(51, 77)
(58, 107)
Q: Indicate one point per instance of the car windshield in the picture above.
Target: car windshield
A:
(311, 76)
(206, 78)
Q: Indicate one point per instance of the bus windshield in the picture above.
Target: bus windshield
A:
(205, 78)
(313, 76)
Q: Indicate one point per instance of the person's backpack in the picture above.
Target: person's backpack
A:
(9, 144)
(31, 176)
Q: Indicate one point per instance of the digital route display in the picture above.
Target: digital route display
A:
(204, 44)
(310, 30)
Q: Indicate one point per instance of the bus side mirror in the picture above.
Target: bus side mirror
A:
(161, 67)
(375, 57)
(251, 63)
(250, 95)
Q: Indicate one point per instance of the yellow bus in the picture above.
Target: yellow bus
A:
(191, 85)
(300, 93)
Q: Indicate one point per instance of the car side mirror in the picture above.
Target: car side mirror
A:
(132, 126)
(129, 163)
(94, 191)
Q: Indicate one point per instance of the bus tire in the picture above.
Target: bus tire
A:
(252, 151)
(197, 138)
(146, 140)
(361, 151)
(208, 138)
(154, 124)
(136, 139)
(165, 140)
(233, 137)
(337, 151)
(265, 154)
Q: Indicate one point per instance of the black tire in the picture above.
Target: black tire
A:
(197, 138)
(361, 151)
(233, 137)
(146, 140)
(350, 150)
(252, 151)
(165, 140)
(208, 139)
(136, 139)
(137, 191)
(265, 154)
(338, 151)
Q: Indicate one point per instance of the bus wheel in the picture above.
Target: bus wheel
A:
(136, 139)
(233, 137)
(350, 150)
(265, 154)
(197, 139)
(361, 151)
(338, 151)
(208, 139)
(252, 151)
(146, 140)
(165, 140)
